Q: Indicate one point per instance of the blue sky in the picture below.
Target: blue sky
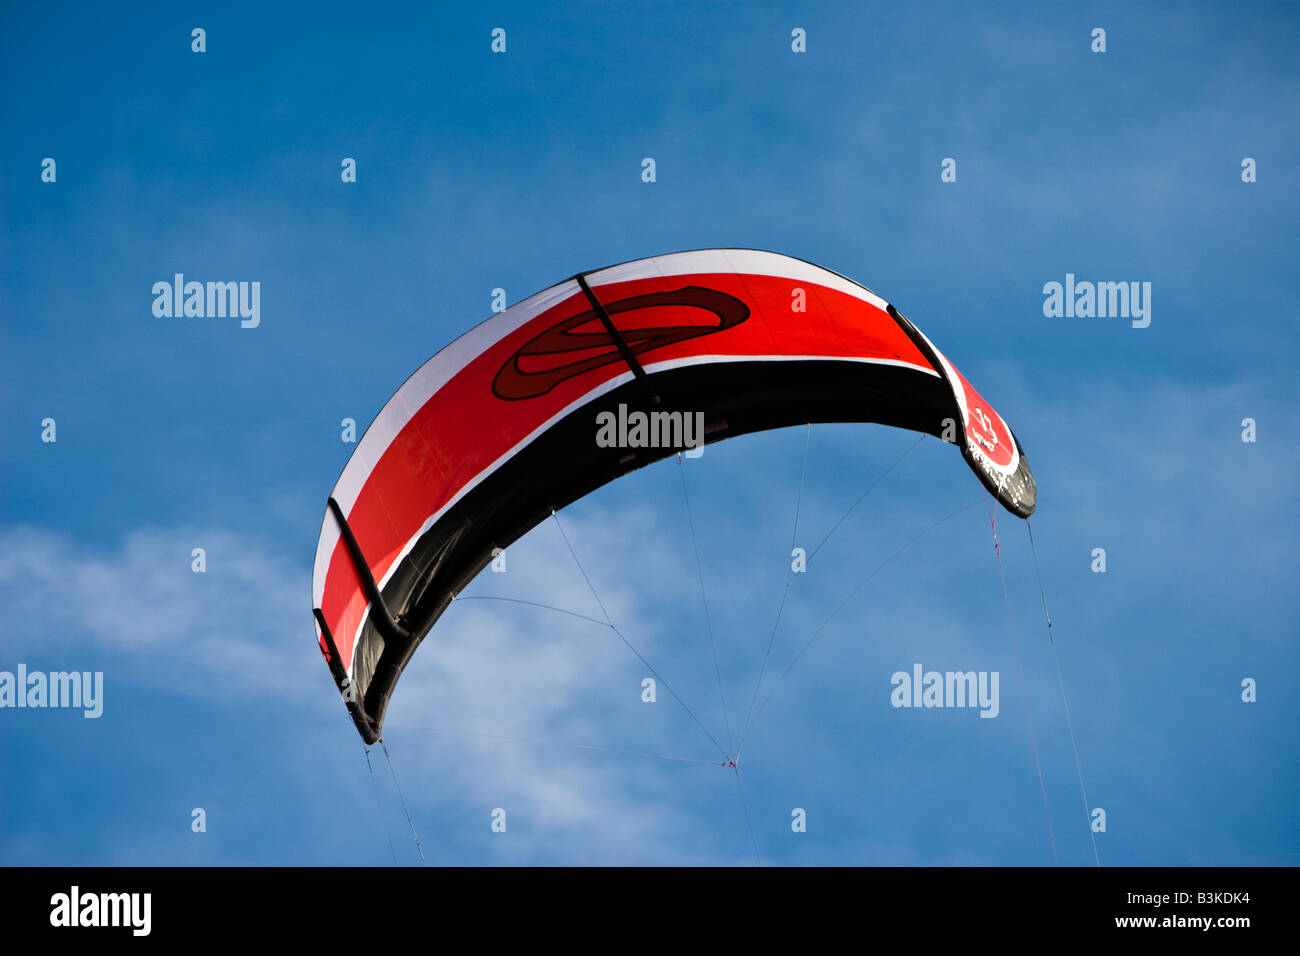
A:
(478, 171)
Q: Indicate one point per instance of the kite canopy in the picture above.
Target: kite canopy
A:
(500, 428)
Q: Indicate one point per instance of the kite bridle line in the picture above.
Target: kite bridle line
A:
(1074, 747)
(1024, 693)
(1060, 678)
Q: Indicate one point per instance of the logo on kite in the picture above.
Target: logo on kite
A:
(549, 358)
(989, 438)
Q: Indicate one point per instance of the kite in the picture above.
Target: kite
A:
(573, 387)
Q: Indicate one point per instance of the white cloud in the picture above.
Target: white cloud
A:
(242, 632)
